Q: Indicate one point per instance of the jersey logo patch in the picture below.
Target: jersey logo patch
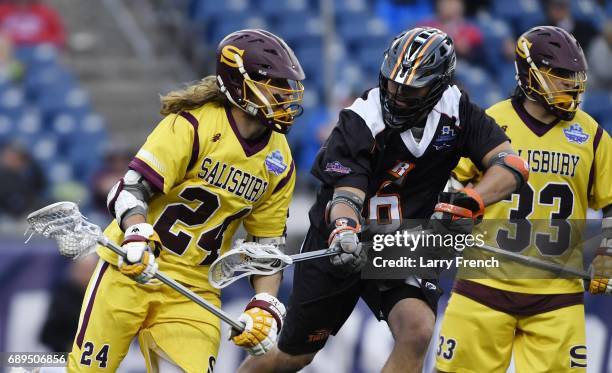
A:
(337, 167)
(447, 134)
(576, 134)
(275, 163)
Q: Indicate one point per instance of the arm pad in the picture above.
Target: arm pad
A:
(129, 196)
(347, 198)
(514, 164)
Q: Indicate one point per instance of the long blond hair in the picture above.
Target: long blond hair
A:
(192, 96)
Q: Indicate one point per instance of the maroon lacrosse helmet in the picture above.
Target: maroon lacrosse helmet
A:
(259, 73)
(551, 69)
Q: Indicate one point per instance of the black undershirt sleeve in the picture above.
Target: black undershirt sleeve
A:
(482, 133)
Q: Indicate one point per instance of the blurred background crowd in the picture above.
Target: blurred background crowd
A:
(79, 86)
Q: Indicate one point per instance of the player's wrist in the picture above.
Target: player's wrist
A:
(342, 224)
(140, 232)
(270, 304)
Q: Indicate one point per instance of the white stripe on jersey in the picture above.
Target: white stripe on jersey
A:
(448, 105)
(146, 155)
(369, 110)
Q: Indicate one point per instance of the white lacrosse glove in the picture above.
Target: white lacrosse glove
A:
(262, 319)
(601, 268)
(139, 242)
(344, 237)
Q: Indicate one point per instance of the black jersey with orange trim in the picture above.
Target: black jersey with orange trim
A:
(401, 175)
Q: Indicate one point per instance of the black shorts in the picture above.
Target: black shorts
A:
(322, 300)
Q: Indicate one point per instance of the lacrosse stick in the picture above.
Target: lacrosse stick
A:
(75, 237)
(252, 258)
(528, 260)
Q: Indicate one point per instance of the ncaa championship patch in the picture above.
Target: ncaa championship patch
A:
(275, 164)
(576, 134)
(337, 167)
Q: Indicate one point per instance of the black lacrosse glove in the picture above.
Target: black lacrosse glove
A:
(457, 212)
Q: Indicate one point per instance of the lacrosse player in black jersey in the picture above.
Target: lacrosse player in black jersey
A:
(389, 158)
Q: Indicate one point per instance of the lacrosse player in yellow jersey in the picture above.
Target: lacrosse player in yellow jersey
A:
(541, 322)
(218, 159)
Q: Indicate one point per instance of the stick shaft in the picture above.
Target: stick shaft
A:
(534, 262)
(181, 289)
(313, 254)
(530, 261)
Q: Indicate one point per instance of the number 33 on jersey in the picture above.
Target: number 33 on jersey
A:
(570, 170)
(209, 179)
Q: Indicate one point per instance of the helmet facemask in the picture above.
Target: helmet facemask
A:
(561, 91)
(412, 109)
(276, 101)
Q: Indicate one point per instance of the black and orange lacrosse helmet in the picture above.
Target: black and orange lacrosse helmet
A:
(423, 57)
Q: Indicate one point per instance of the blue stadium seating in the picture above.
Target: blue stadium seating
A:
(310, 30)
(506, 77)
(521, 14)
(205, 10)
(12, 102)
(477, 83)
(495, 33)
(589, 11)
(7, 128)
(283, 9)
(598, 104)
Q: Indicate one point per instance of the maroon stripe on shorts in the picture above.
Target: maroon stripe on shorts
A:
(92, 298)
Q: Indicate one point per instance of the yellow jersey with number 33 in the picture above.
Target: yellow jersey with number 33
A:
(208, 181)
(570, 170)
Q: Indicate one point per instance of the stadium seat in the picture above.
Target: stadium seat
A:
(280, 9)
(477, 83)
(370, 58)
(494, 32)
(12, 102)
(7, 128)
(28, 127)
(205, 10)
(400, 16)
(310, 30)
(231, 22)
(506, 77)
(589, 11)
(519, 13)
(369, 30)
(59, 171)
(48, 79)
(598, 104)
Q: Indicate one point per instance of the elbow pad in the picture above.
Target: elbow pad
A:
(129, 196)
(513, 163)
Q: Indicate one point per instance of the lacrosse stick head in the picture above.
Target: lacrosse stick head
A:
(63, 222)
(245, 259)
